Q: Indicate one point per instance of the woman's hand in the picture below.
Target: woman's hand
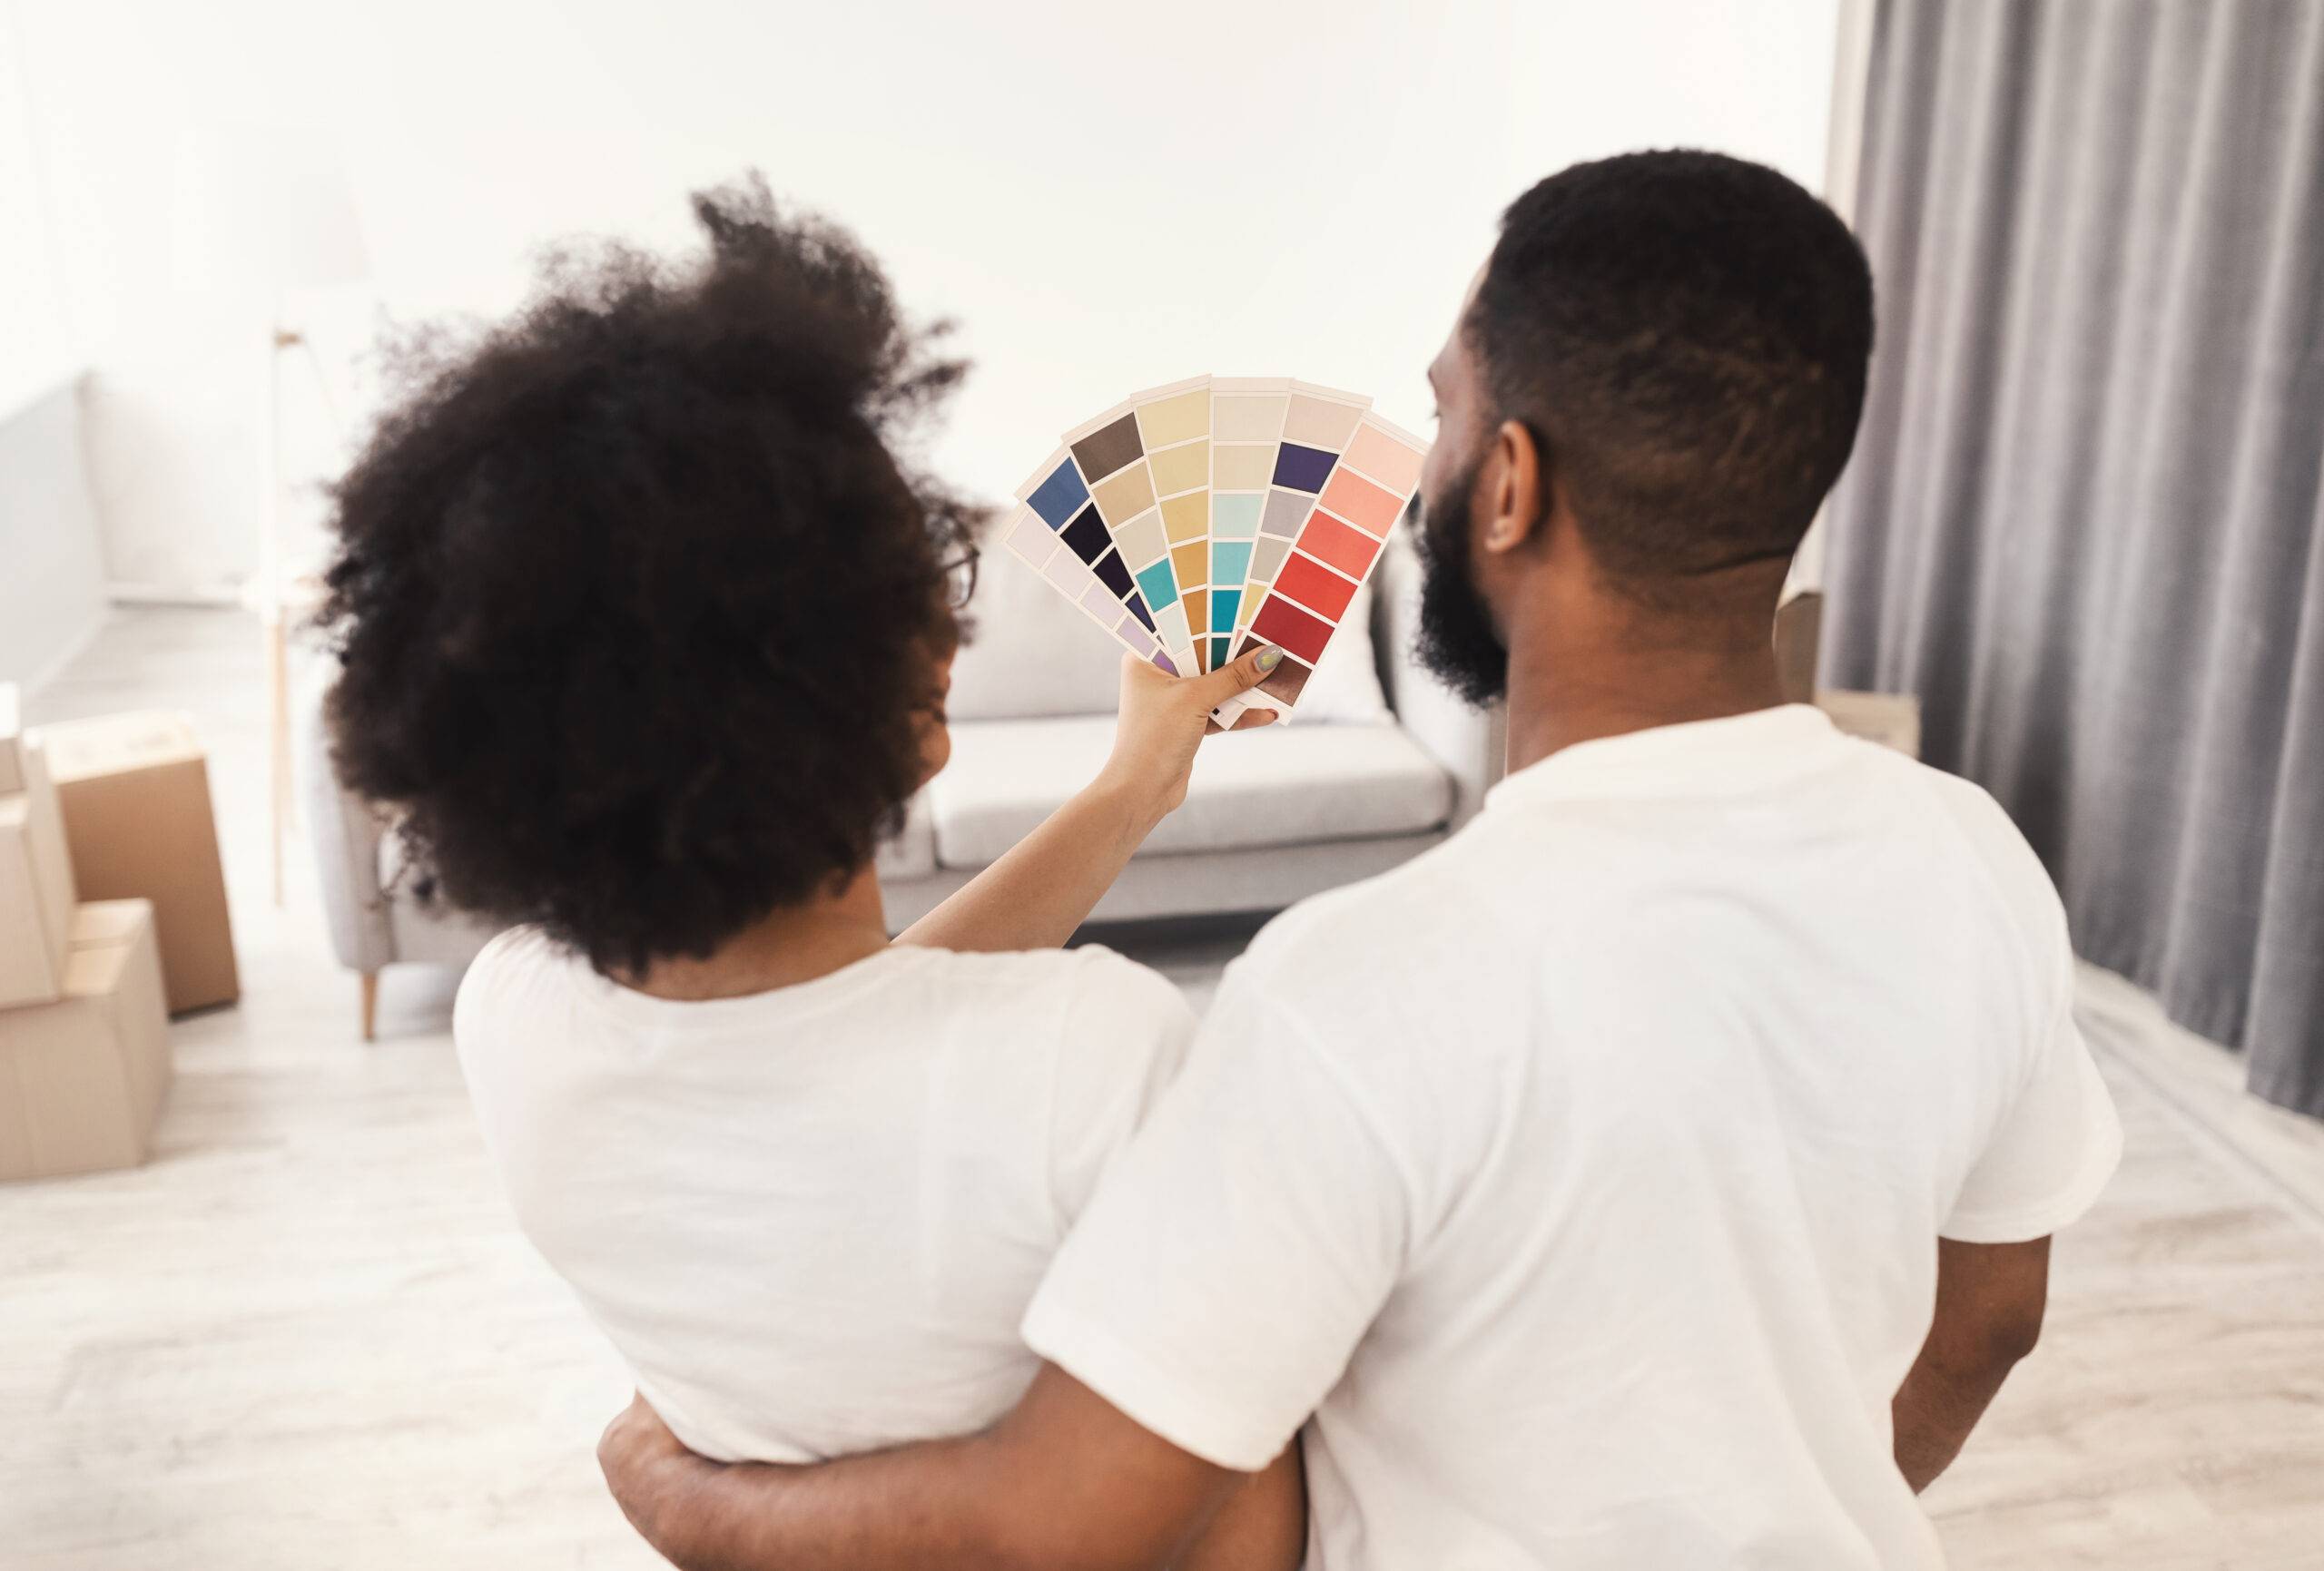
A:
(1163, 720)
(1047, 885)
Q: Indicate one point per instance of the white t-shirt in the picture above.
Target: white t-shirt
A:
(810, 1219)
(1583, 1176)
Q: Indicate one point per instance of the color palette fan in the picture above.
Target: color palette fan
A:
(1194, 519)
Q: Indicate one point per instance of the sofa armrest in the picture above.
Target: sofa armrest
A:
(1467, 742)
(346, 832)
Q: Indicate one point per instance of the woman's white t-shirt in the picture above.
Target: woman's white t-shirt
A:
(810, 1220)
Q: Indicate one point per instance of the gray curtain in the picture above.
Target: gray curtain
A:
(2085, 517)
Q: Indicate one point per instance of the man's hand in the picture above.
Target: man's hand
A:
(1065, 1481)
(1034, 896)
(644, 1465)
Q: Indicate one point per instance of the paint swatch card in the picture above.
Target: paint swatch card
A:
(1341, 502)
(1195, 518)
(1317, 424)
(1146, 464)
(1060, 534)
(1247, 432)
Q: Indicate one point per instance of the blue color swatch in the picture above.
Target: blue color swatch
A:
(1056, 498)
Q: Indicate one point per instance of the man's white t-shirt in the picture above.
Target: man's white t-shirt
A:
(1583, 1176)
(810, 1219)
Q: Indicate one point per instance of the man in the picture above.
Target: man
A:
(1658, 1175)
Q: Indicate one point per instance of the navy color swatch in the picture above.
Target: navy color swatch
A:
(1086, 534)
(1303, 468)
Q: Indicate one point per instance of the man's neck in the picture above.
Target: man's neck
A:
(786, 947)
(1570, 690)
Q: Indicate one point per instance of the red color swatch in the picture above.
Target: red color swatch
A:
(1314, 586)
(1328, 540)
(1282, 623)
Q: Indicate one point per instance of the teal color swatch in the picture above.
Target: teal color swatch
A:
(1160, 587)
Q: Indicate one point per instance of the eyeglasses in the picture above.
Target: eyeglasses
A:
(960, 579)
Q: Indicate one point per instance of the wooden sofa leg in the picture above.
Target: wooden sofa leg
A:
(370, 1005)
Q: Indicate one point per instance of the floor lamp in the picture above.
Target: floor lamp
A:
(263, 217)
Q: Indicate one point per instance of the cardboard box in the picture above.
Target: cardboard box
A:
(135, 794)
(81, 1080)
(36, 890)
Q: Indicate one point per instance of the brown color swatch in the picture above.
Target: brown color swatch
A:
(1109, 448)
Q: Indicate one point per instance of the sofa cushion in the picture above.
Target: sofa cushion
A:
(1345, 688)
(1287, 784)
(912, 853)
(1031, 652)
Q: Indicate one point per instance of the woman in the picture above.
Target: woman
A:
(644, 630)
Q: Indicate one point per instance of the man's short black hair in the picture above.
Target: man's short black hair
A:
(634, 604)
(1687, 335)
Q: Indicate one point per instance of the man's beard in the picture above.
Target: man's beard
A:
(1457, 640)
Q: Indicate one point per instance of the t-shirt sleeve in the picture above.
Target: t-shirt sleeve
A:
(1232, 1260)
(2057, 1146)
(1122, 1041)
(476, 1010)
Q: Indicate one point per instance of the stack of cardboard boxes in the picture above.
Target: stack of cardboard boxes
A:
(85, 1036)
(113, 916)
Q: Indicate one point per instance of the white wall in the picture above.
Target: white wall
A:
(36, 352)
(52, 585)
(1103, 197)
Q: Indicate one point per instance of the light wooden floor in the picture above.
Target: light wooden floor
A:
(306, 1335)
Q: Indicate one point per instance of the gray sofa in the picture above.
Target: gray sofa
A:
(1367, 775)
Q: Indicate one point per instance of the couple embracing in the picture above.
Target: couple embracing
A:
(1657, 1175)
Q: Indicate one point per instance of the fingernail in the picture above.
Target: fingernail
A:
(1270, 658)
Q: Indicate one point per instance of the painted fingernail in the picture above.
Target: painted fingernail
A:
(1270, 658)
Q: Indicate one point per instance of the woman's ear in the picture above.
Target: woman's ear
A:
(1517, 488)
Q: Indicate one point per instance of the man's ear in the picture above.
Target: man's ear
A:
(1517, 480)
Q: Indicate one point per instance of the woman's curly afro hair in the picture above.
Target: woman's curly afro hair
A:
(637, 614)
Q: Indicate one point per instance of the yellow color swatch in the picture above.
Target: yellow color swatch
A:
(1242, 468)
(1191, 564)
(1181, 468)
(1187, 519)
(1175, 419)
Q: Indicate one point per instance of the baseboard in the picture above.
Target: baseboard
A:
(207, 596)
